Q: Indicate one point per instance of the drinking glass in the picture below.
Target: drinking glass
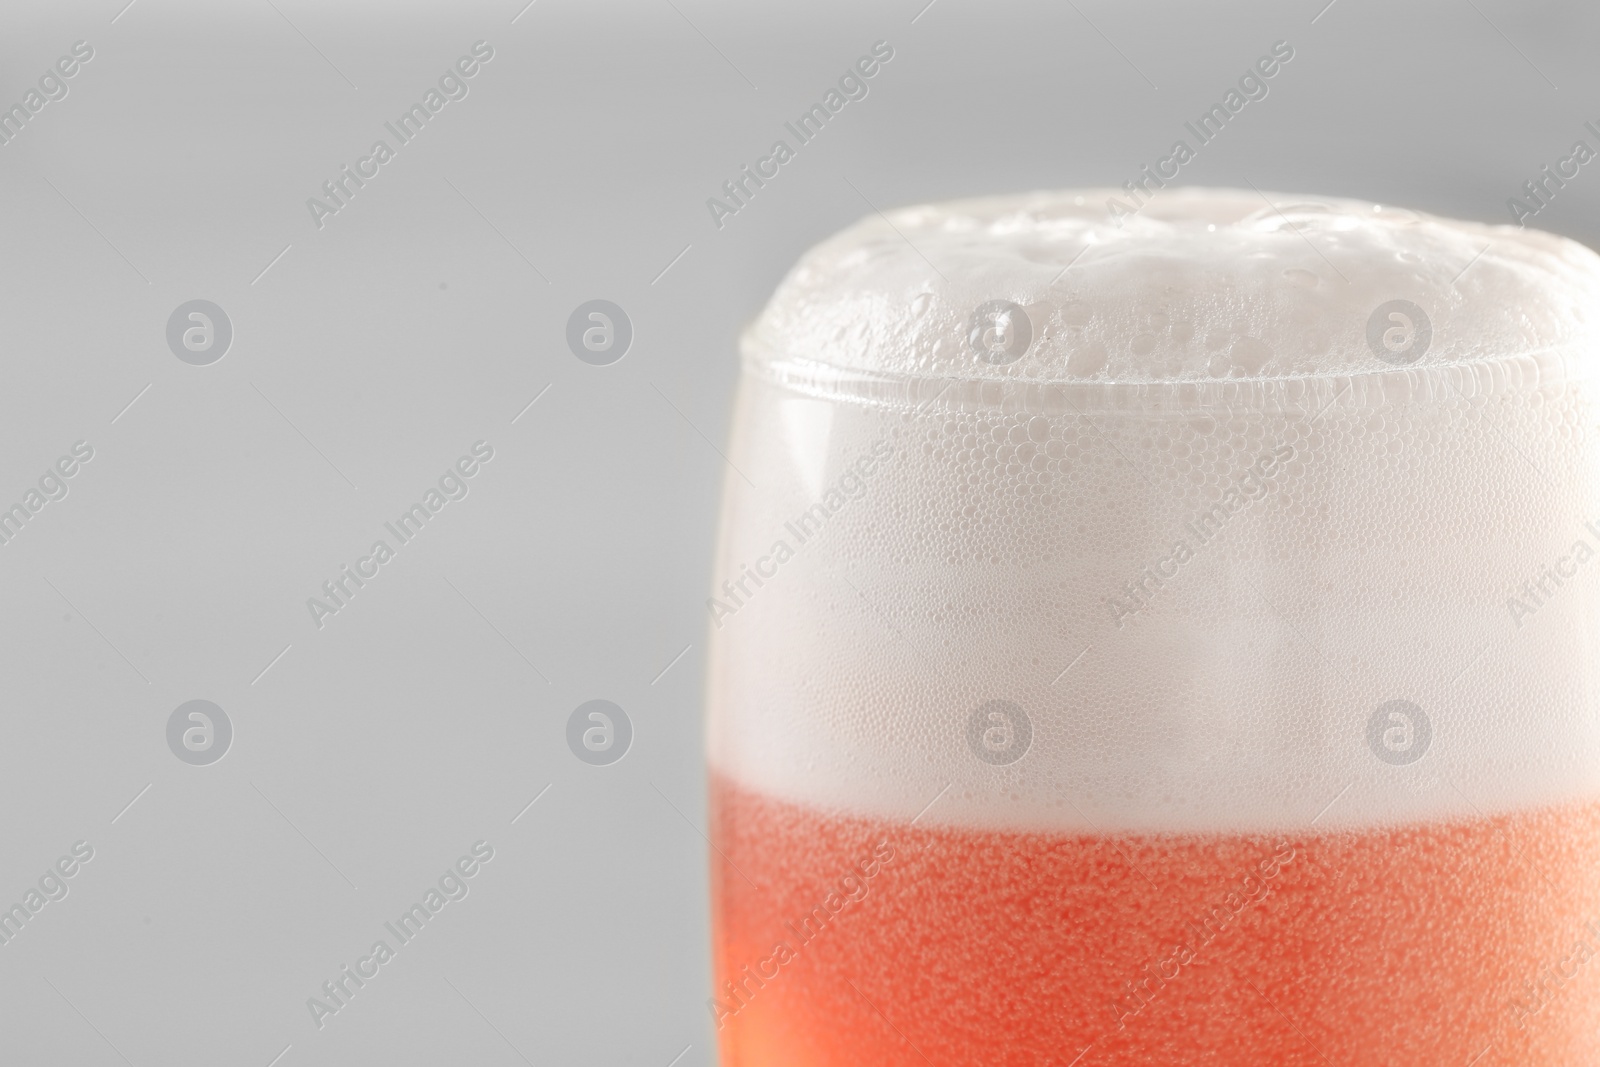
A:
(1170, 640)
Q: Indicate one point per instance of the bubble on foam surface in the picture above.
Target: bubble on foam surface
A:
(1018, 548)
(1200, 285)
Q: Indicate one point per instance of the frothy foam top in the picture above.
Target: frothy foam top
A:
(1174, 612)
(1197, 286)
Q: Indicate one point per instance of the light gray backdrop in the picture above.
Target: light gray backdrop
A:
(369, 354)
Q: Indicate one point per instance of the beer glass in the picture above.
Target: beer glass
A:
(1161, 633)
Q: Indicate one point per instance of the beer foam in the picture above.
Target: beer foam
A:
(1198, 286)
(1273, 521)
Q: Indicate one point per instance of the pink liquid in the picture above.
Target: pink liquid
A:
(1429, 944)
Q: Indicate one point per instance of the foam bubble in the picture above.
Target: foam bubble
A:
(980, 433)
(1202, 285)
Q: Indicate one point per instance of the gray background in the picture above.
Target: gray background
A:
(425, 317)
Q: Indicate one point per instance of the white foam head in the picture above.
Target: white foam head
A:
(977, 434)
(1202, 285)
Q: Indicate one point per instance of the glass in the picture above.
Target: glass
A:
(1162, 643)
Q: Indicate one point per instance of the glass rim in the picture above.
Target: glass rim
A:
(1523, 373)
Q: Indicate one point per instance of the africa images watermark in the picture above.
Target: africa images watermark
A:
(1248, 488)
(1252, 85)
(736, 592)
(52, 86)
(52, 887)
(52, 486)
(1249, 889)
(341, 189)
(1541, 190)
(853, 85)
(1551, 979)
(338, 991)
(852, 889)
(1540, 590)
(452, 485)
